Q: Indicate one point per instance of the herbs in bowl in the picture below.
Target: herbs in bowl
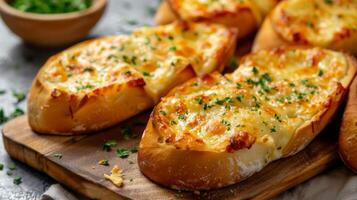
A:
(51, 23)
(51, 6)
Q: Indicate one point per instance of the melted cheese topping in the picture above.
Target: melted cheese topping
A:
(209, 9)
(156, 55)
(259, 106)
(316, 22)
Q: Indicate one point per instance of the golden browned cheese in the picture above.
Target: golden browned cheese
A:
(323, 23)
(272, 106)
(125, 74)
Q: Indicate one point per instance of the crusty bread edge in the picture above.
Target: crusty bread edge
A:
(348, 130)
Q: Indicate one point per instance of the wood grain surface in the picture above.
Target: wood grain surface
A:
(79, 170)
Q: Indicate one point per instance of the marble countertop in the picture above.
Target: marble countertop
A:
(18, 65)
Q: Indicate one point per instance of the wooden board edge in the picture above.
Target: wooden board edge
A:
(71, 180)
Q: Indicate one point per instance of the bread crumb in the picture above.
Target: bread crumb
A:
(116, 176)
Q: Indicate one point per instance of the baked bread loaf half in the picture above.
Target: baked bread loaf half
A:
(101, 82)
(330, 24)
(246, 15)
(218, 130)
(348, 131)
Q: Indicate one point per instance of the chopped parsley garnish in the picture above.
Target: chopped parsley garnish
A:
(173, 122)
(88, 69)
(172, 48)
(163, 112)
(1, 166)
(2, 92)
(291, 84)
(171, 37)
(273, 130)
(262, 81)
(301, 95)
(20, 96)
(108, 145)
(83, 87)
(9, 173)
(309, 24)
(17, 112)
(132, 22)
(329, 2)
(321, 72)
(51, 7)
(233, 63)
(240, 97)
(239, 85)
(146, 74)
(227, 124)
(127, 132)
(182, 117)
(255, 70)
(12, 166)
(277, 117)
(122, 153)
(266, 77)
(57, 155)
(224, 100)
(199, 100)
(151, 10)
(3, 118)
(104, 162)
(17, 180)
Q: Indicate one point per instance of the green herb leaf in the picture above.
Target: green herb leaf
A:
(47, 6)
(122, 153)
(17, 112)
(17, 180)
(108, 145)
(12, 166)
(126, 131)
(104, 162)
(3, 118)
(1, 166)
(233, 63)
(20, 96)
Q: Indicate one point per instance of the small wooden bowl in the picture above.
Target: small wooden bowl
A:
(51, 30)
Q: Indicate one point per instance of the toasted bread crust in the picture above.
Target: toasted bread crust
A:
(347, 135)
(203, 169)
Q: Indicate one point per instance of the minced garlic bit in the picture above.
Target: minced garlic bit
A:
(116, 176)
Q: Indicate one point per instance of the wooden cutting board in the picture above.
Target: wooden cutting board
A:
(79, 170)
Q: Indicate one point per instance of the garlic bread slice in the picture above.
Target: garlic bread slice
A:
(218, 130)
(101, 82)
(329, 24)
